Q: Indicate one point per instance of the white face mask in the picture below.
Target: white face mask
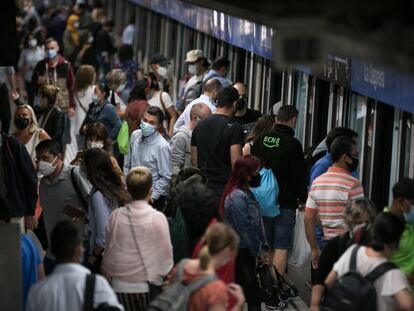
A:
(46, 168)
(162, 71)
(192, 69)
(32, 43)
(95, 144)
(121, 87)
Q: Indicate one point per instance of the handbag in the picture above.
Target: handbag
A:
(154, 290)
(267, 194)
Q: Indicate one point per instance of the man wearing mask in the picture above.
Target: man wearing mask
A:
(197, 68)
(219, 70)
(211, 89)
(55, 70)
(331, 193)
(403, 206)
(62, 187)
(283, 153)
(159, 65)
(148, 148)
(246, 117)
(181, 141)
(216, 142)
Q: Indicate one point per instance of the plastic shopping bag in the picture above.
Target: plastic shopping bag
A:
(301, 252)
(267, 194)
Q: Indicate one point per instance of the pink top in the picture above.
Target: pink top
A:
(121, 258)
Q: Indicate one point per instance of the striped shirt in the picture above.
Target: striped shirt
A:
(329, 195)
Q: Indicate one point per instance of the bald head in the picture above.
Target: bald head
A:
(198, 111)
(212, 86)
(241, 88)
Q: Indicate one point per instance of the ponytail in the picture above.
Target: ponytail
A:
(204, 256)
(217, 238)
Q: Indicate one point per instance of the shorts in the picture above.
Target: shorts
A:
(279, 230)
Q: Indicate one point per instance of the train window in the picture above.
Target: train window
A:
(406, 154)
(299, 100)
(356, 115)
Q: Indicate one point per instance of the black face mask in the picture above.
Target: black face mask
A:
(21, 123)
(255, 181)
(352, 166)
(240, 104)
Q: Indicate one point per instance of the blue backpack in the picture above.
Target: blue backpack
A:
(267, 194)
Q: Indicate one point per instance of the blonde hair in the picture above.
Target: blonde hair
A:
(35, 125)
(217, 238)
(115, 78)
(357, 209)
(139, 182)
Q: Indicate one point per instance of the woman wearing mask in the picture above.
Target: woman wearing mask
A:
(356, 216)
(96, 136)
(31, 54)
(52, 119)
(393, 290)
(116, 82)
(242, 212)
(221, 243)
(27, 129)
(103, 112)
(108, 193)
(71, 36)
(163, 101)
(263, 125)
(138, 247)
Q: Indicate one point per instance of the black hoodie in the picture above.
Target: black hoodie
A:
(283, 153)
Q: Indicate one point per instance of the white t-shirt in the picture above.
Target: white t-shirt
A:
(166, 99)
(386, 286)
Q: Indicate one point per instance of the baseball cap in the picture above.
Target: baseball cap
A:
(193, 55)
(159, 59)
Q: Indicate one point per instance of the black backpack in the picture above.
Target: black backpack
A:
(176, 296)
(88, 301)
(354, 292)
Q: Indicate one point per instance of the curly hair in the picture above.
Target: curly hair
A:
(102, 175)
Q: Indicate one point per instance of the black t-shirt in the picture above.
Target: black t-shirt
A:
(251, 116)
(213, 138)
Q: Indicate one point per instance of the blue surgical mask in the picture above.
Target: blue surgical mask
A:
(51, 53)
(147, 129)
(94, 98)
(409, 217)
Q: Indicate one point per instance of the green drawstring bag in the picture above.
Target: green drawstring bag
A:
(123, 138)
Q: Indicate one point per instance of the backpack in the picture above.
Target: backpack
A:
(186, 176)
(354, 292)
(193, 92)
(311, 159)
(267, 194)
(89, 295)
(176, 297)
